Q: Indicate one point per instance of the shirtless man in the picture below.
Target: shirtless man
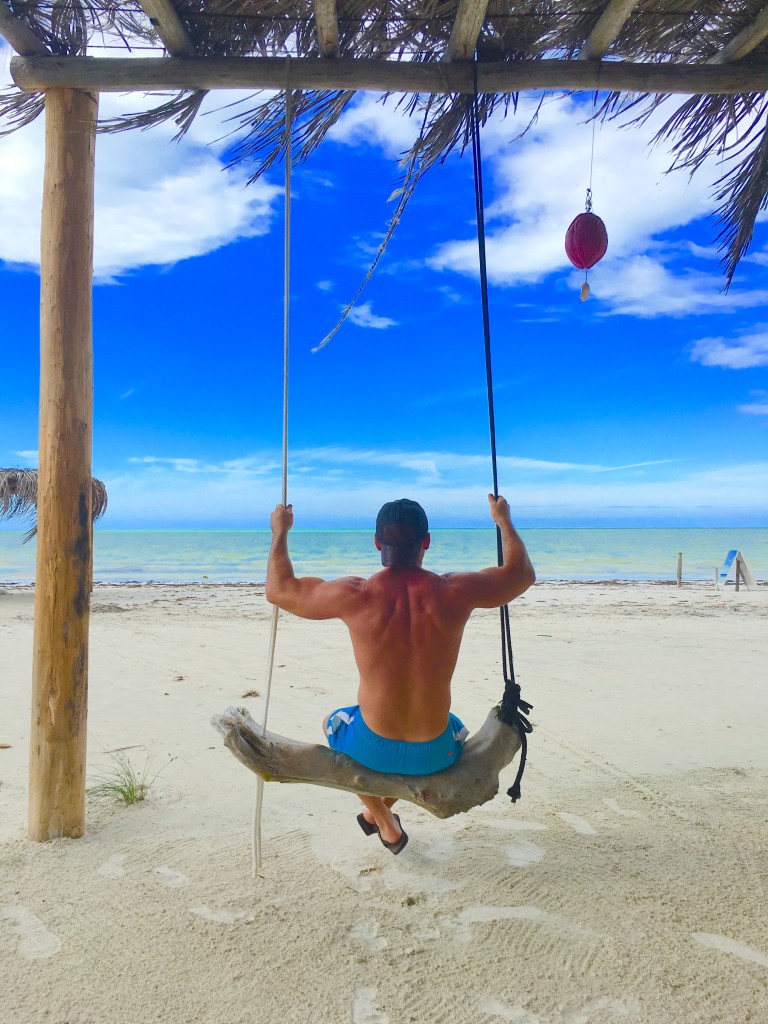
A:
(406, 626)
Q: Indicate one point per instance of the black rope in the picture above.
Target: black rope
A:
(513, 708)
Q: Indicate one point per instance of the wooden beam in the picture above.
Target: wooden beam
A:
(327, 25)
(167, 23)
(145, 74)
(607, 28)
(472, 781)
(746, 41)
(466, 28)
(18, 34)
(64, 527)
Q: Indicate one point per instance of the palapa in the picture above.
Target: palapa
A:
(653, 34)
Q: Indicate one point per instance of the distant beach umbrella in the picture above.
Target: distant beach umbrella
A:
(586, 242)
(18, 497)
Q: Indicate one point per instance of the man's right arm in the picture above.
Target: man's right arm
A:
(491, 588)
(307, 596)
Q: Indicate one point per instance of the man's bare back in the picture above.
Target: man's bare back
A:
(406, 626)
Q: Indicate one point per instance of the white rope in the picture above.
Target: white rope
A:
(259, 801)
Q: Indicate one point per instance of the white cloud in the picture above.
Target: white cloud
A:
(29, 455)
(363, 316)
(253, 465)
(735, 354)
(644, 287)
(703, 252)
(325, 286)
(157, 201)
(451, 486)
(438, 462)
(755, 409)
(371, 121)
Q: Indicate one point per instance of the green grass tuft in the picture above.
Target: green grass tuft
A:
(124, 782)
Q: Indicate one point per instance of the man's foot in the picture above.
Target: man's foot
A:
(399, 844)
(370, 827)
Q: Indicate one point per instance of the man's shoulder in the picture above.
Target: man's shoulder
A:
(458, 577)
(419, 577)
(466, 584)
(349, 582)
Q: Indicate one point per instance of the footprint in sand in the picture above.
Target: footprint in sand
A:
(364, 1010)
(522, 853)
(113, 866)
(513, 1013)
(612, 805)
(172, 878)
(35, 942)
(726, 945)
(584, 1014)
(561, 928)
(368, 931)
(218, 916)
(580, 825)
(442, 849)
(518, 825)
(355, 861)
(423, 932)
(461, 926)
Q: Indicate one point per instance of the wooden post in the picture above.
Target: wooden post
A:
(679, 568)
(63, 584)
(738, 573)
(717, 575)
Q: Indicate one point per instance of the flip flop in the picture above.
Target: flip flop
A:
(368, 828)
(399, 844)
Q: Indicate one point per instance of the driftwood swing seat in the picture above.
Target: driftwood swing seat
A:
(472, 781)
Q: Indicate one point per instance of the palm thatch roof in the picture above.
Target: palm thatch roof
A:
(692, 34)
(18, 497)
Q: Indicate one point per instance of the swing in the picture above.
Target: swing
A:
(474, 778)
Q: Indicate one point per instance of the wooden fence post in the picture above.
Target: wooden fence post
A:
(679, 568)
(64, 536)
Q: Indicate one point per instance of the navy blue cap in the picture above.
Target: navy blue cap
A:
(400, 525)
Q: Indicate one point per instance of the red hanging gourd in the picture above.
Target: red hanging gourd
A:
(586, 241)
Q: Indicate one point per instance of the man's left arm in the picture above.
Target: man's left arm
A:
(307, 596)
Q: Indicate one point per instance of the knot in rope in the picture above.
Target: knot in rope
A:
(513, 710)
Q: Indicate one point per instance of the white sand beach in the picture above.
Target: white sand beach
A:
(629, 883)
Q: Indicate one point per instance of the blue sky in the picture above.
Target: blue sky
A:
(648, 404)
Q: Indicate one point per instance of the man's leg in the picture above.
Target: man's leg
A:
(377, 811)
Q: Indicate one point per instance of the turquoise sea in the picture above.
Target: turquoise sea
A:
(241, 555)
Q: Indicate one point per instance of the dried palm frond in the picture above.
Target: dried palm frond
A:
(733, 129)
(18, 493)
(18, 497)
(657, 31)
(18, 109)
(182, 109)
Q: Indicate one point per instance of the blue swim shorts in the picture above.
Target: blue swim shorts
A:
(348, 733)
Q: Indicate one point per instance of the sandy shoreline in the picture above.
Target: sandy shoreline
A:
(628, 884)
